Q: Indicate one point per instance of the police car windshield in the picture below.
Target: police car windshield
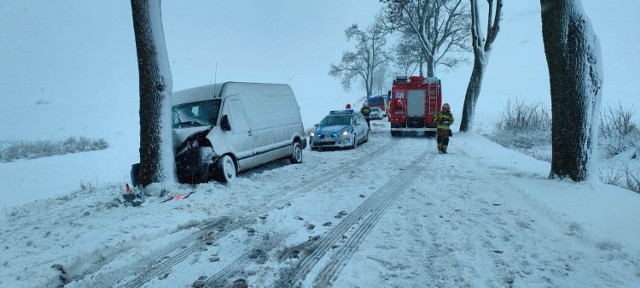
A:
(336, 120)
(195, 114)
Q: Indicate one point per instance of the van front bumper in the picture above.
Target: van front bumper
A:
(193, 165)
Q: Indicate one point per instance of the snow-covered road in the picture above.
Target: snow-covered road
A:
(391, 213)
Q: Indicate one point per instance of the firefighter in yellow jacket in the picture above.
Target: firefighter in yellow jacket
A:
(443, 119)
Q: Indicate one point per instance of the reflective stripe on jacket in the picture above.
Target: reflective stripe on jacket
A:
(365, 111)
(443, 120)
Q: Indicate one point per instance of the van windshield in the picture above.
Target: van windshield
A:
(195, 114)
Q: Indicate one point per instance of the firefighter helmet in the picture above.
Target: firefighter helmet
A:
(445, 107)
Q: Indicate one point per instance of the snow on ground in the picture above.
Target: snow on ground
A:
(391, 213)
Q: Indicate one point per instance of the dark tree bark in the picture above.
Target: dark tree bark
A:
(155, 88)
(481, 51)
(575, 73)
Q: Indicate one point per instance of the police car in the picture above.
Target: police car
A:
(340, 129)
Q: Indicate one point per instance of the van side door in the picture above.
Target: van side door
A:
(239, 137)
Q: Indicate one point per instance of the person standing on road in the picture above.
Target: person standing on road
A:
(366, 111)
(443, 119)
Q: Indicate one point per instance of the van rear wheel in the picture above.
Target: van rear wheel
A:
(226, 170)
(296, 154)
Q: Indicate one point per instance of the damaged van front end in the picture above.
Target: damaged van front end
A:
(194, 156)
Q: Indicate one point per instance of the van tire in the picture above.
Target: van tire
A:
(226, 169)
(135, 175)
(296, 154)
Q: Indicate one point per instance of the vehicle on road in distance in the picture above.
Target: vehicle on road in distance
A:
(378, 101)
(376, 113)
(340, 129)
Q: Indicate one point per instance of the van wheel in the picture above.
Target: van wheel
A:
(226, 170)
(135, 175)
(296, 155)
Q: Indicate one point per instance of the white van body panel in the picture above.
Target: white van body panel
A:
(264, 119)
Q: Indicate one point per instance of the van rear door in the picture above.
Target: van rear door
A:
(240, 138)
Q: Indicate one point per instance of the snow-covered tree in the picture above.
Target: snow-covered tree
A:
(156, 148)
(439, 27)
(368, 58)
(481, 51)
(381, 80)
(573, 56)
(408, 57)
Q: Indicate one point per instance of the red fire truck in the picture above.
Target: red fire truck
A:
(414, 102)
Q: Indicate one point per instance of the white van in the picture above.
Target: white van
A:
(222, 129)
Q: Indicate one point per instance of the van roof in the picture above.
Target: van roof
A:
(201, 93)
(205, 92)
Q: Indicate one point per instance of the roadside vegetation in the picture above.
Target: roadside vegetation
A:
(14, 150)
(526, 127)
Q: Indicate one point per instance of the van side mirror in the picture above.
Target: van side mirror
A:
(224, 123)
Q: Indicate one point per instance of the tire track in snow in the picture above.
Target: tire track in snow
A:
(359, 162)
(162, 260)
(229, 271)
(221, 278)
(389, 192)
(364, 217)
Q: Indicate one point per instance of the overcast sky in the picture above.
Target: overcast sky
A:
(61, 52)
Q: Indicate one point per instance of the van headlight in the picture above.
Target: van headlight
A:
(344, 133)
(312, 134)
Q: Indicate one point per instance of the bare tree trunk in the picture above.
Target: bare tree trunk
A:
(431, 71)
(575, 74)
(473, 91)
(155, 90)
(481, 50)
